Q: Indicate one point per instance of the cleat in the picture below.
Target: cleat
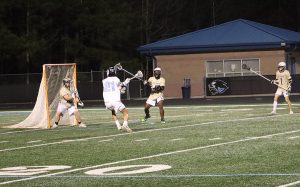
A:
(163, 121)
(81, 125)
(145, 119)
(127, 129)
(273, 113)
(54, 126)
(291, 112)
(81, 104)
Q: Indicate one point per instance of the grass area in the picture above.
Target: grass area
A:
(220, 145)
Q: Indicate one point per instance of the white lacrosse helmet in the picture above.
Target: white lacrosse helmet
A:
(157, 69)
(65, 80)
(281, 64)
(157, 72)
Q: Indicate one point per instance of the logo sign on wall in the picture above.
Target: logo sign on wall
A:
(216, 87)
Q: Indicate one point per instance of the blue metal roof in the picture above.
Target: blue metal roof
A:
(234, 35)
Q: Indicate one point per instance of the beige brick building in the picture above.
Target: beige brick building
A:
(219, 52)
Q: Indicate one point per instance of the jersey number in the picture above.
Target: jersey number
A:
(109, 87)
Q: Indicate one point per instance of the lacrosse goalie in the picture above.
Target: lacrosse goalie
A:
(157, 84)
(284, 81)
(67, 103)
(112, 89)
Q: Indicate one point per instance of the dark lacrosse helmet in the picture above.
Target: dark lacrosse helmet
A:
(111, 72)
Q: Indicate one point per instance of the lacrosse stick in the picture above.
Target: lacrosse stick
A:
(118, 66)
(138, 75)
(245, 66)
(75, 95)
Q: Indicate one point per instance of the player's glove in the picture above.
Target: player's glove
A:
(289, 88)
(145, 82)
(126, 82)
(123, 89)
(274, 82)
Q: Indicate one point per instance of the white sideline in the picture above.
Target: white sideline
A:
(151, 156)
(137, 132)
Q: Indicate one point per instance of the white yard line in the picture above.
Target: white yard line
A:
(140, 140)
(290, 184)
(236, 109)
(293, 137)
(161, 176)
(137, 132)
(108, 140)
(34, 141)
(12, 132)
(151, 156)
(177, 139)
(4, 141)
(215, 138)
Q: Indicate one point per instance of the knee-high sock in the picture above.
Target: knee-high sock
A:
(118, 124)
(274, 106)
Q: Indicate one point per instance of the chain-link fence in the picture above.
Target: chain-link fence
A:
(20, 88)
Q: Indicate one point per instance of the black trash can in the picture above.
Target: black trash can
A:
(186, 92)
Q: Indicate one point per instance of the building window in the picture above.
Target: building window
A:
(231, 67)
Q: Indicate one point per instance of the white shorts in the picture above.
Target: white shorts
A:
(117, 106)
(153, 102)
(62, 108)
(281, 91)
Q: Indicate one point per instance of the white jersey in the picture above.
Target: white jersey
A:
(111, 89)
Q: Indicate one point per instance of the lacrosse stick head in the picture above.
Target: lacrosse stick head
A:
(139, 74)
(118, 66)
(245, 66)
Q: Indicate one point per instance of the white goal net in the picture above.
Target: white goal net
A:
(43, 113)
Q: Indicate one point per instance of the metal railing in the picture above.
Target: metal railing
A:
(15, 88)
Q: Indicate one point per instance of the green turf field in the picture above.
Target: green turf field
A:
(220, 145)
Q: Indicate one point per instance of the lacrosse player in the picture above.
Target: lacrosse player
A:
(67, 103)
(112, 89)
(284, 81)
(157, 84)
